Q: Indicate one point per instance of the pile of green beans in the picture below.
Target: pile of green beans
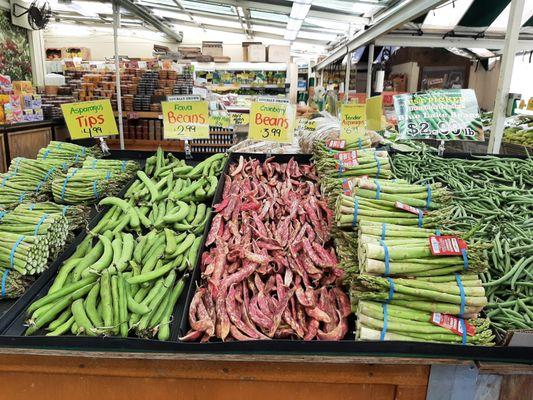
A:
(129, 272)
(68, 152)
(493, 201)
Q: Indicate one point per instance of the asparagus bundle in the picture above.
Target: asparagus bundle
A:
(68, 152)
(13, 284)
(53, 228)
(26, 254)
(77, 215)
(404, 323)
(357, 163)
(85, 185)
(325, 148)
(350, 210)
(15, 189)
(412, 257)
(121, 169)
(439, 294)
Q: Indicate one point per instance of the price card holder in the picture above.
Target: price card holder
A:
(185, 119)
(239, 119)
(89, 119)
(272, 120)
(353, 122)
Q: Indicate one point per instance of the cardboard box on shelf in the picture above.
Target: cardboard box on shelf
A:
(279, 53)
(245, 45)
(213, 49)
(256, 53)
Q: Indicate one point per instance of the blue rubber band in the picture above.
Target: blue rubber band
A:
(21, 197)
(465, 259)
(2, 215)
(391, 290)
(95, 162)
(13, 249)
(46, 153)
(83, 149)
(95, 189)
(31, 206)
(420, 218)
(5, 179)
(341, 168)
(64, 165)
(59, 145)
(123, 167)
(76, 158)
(360, 143)
(108, 175)
(355, 212)
(378, 189)
(385, 321)
(437, 232)
(428, 200)
(48, 173)
(65, 208)
(379, 165)
(464, 334)
(66, 182)
(383, 231)
(36, 232)
(17, 164)
(387, 259)
(4, 278)
(463, 304)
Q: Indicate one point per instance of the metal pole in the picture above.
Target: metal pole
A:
(506, 70)
(347, 77)
(322, 78)
(369, 70)
(116, 24)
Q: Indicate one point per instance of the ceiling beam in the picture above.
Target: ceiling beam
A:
(151, 19)
(437, 41)
(180, 6)
(386, 21)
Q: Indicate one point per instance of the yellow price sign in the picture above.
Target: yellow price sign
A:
(273, 122)
(89, 119)
(185, 119)
(374, 112)
(220, 121)
(353, 122)
(239, 119)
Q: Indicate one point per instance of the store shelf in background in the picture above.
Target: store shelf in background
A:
(222, 88)
(140, 114)
(147, 145)
(239, 66)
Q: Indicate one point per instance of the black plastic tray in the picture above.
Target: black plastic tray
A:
(12, 322)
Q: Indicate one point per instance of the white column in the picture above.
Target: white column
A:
(369, 70)
(37, 54)
(116, 25)
(347, 77)
(506, 70)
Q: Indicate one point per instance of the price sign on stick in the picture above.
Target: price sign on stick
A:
(239, 119)
(185, 119)
(89, 119)
(219, 120)
(272, 121)
(353, 122)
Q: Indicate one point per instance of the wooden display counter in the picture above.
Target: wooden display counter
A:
(25, 139)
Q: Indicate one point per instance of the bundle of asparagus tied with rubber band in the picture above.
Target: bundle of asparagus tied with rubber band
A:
(69, 153)
(95, 180)
(403, 323)
(326, 148)
(77, 215)
(355, 163)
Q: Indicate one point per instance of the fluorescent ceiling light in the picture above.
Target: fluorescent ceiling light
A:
(328, 24)
(171, 15)
(294, 24)
(290, 35)
(299, 10)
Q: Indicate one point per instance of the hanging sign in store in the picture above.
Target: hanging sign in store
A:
(185, 119)
(189, 97)
(448, 114)
(353, 122)
(239, 119)
(272, 120)
(374, 111)
(89, 119)
(219, 121)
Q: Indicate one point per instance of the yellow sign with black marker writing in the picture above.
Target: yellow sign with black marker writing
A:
(272, 121)
(89, 119)
(353, 122)
(185, 119)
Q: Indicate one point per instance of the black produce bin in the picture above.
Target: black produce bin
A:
(12, 323)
